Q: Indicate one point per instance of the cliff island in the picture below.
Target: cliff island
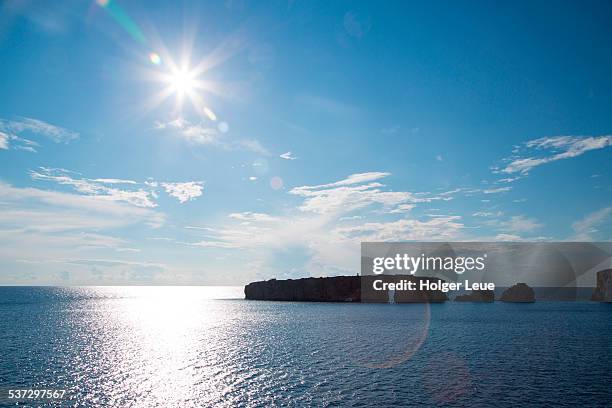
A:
(343, 289)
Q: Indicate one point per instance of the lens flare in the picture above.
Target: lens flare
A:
(154, 58)
(211, 115)
(276, 183)
(123, 19)
(223, 127)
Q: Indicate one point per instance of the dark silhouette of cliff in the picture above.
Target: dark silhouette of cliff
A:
(603, 291)
(519, 293)
(477, 296)
(341, 289)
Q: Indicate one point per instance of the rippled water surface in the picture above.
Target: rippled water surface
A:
(205, 346)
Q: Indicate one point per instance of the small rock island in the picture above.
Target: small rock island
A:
(603, 291)
(477, 296)
(519, 293)
(341, 289)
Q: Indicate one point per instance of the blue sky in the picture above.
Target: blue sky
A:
(218, 143)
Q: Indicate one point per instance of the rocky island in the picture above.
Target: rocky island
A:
(603, 291)
(519, 293)
(341, 289)
(477, 296)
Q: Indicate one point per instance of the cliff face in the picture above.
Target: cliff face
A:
(339, 289)
(603, 291)
(336, 289)
(520, 293)
(477, 296)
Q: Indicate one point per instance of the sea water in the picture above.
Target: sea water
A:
(206, 346)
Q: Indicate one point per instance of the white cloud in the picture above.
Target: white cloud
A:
(140, 197)
(60, 211)
(114, 181)
(348, 198)
(55, 133)
(497, 190)
(508, 238)
(287, 156)
(519, 223)
(204, 135)
(437, 228)
(26, 148)
(199, 134)
(215, 244)
(44, 225)
(135, 193)
(325, 227)
(487, 214)
(508, 179)
(177, 123)
(352, 179)
(552, 149)
(4, 141)
(439, 157)
(402, 208)
(194, 133)
(18, 143)
(184, 191)
(89, 270)
(588, 226)
(359, 191)
(252, 217)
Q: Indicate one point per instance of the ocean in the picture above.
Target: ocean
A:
(206, 346)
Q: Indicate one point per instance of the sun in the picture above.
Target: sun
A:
(182, 81)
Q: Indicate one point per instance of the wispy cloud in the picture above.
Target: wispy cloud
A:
(133, 192)
(549, 149)
(287, 156)
(487, 214)
(350, 180)
(207, 134)
(114, 181)
(194, 133)
(17, 143)
(139, 198)
(252, 217)
(519, 223)
(41, 210)
(4, 141)
(436, 228)
(496, 190)
(56, 133)
(359, 191)
(587, 227)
